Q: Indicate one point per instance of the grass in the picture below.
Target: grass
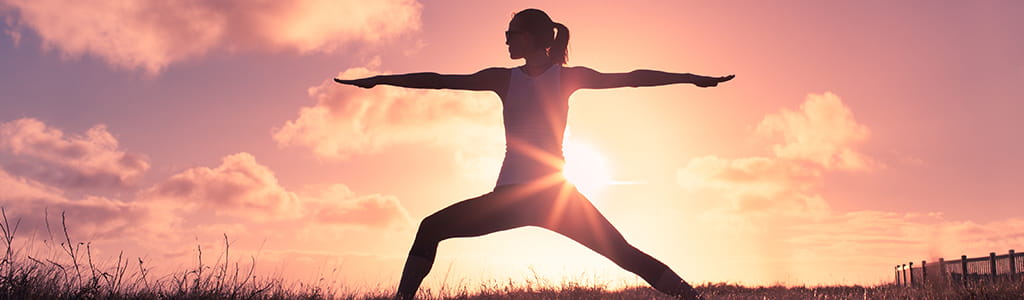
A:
(74, 276)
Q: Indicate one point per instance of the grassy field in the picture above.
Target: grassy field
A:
(74, 276)
(34, 278)
(40, 280)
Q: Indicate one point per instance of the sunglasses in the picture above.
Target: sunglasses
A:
(510, 33)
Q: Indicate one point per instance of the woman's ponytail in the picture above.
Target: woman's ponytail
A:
(559, 51)
(539, 24)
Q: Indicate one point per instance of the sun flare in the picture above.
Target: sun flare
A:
(585, 167)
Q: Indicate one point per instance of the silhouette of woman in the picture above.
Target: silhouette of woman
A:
(530, 190)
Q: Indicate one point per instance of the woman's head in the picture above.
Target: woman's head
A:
(532, 30)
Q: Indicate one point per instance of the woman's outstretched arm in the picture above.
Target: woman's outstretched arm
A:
(586, 78)
(491, 79)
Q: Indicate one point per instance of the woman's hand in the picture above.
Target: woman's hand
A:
(711, 81)
(365, 83)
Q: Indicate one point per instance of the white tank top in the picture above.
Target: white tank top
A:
(535, 112)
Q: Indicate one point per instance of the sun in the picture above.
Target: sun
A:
(585, 167)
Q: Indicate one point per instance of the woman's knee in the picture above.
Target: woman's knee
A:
(428, 236)
(432, 228)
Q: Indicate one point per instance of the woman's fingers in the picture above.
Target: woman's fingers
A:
(363, 83)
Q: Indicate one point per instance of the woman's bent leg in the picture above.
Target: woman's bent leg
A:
(496, 211)
(578, 219)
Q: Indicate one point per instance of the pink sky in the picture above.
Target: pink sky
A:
(856, 135)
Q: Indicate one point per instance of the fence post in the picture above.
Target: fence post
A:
(904, 274)
(924, 272)
(992, 263)
(911, 267)
(1013, 266)
(963, 269)
(942, 270)
(897, 268)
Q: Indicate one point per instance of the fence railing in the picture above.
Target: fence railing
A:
(992, 267)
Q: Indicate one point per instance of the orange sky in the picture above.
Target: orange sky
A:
(856, 135)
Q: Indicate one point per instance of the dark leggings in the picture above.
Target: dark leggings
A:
(559, 208)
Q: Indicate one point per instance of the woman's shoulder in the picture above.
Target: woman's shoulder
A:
(577, 69)
(493, 73)
(505, 70)
(576, 74)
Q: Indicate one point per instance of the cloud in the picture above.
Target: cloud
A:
(338, 205)
(153, 34)
(822, 136)
(757, 184)
(245, 190)
(32, 149)
(823, 131)
(40, 164)
(90, 216)
(239, 186)
(349, 121)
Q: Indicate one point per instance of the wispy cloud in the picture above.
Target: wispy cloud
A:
(97, 218)
(757, 184)
(153, 34)
(869, 242)
(338, 205)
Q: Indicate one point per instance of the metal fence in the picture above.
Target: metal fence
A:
(992, 267)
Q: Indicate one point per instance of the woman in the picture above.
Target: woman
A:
(530, 190)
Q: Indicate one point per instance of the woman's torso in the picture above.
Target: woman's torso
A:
(535, 111)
